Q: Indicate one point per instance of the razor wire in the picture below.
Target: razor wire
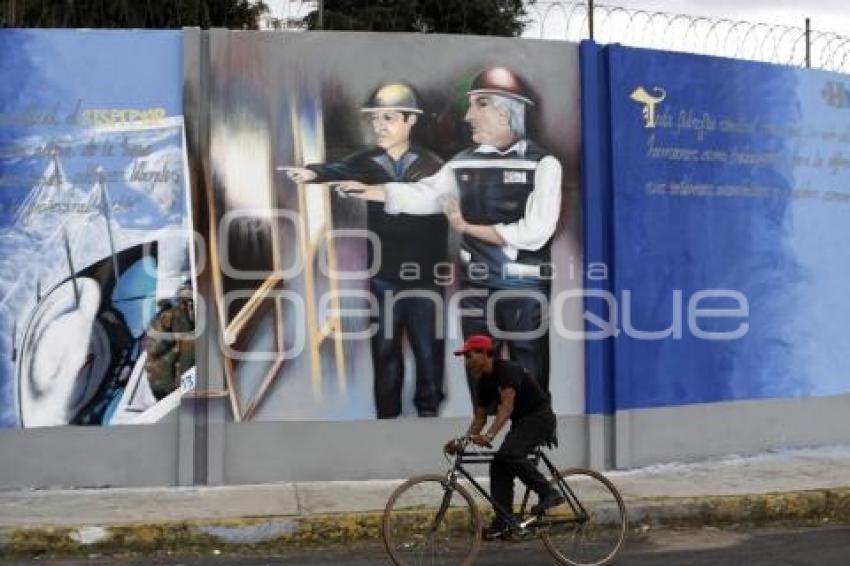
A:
(772, 43)
(568, 20)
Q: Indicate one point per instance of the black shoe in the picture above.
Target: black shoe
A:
(494, 531)
(551, 499)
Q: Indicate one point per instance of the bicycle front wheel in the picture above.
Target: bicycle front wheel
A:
(591, 527)
(428, 520)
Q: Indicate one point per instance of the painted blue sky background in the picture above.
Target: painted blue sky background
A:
(104, 69)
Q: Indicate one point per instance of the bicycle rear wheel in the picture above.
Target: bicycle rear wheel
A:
(593, 529)
(428, 520)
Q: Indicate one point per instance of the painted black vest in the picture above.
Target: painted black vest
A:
(405, 238)
(494, 189)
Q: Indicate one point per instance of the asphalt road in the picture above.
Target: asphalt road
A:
(824, 546)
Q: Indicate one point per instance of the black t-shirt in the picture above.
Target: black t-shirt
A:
(529, 398)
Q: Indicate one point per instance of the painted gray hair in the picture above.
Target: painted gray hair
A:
(515, 110)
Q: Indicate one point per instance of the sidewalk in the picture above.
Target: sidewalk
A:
(806, 485)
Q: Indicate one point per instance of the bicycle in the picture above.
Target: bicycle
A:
(423, 525)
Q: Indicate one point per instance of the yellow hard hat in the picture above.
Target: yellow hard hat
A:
(393, 96)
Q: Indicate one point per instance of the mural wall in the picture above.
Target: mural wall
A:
(374, 199)
(96, 288)
(723, 199)
(340, 303)
(669, 233)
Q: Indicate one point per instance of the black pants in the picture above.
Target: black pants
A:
(511, 460)
(417, 317)
(512, 314)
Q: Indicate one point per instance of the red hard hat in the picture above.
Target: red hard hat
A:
(500, 80)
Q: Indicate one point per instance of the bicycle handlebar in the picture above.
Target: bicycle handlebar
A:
(460, 444)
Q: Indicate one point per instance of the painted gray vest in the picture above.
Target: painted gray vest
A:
(494, 189)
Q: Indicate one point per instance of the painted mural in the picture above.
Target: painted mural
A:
(727, 209)
(379, 198)
(369, 201)
(96, 288)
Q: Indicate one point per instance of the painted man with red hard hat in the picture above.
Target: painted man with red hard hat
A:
(518, 398)
(503, 195)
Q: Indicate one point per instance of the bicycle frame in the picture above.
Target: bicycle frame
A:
(486, 457)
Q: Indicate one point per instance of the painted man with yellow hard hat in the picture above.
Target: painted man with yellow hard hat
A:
(410, 248)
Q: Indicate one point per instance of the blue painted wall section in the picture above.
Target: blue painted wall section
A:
(598, 227)
(730, 185)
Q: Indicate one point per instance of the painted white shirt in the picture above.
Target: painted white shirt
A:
(531, 232)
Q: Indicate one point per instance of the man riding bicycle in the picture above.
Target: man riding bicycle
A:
(519, 398)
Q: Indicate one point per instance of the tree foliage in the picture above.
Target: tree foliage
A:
(234, 14)
(477, 17)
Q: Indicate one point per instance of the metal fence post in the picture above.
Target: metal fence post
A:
(808, 43)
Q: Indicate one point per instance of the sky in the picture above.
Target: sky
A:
(289, 8)
(826, 15)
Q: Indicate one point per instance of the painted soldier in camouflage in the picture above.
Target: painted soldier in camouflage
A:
(169, 345)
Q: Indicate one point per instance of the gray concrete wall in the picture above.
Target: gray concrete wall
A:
(258, 452)
(694, 432)
(73, 456)
(361, 450)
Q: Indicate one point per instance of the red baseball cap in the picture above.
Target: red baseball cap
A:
(476, 342)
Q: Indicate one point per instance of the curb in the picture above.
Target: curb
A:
(821, 505)
(270, 533)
